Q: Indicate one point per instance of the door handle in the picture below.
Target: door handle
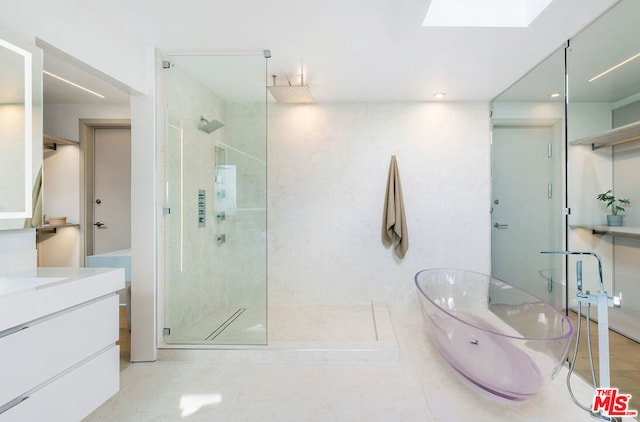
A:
(99, 225)
(500, 226)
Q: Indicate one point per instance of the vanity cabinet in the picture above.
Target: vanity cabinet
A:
(61, 355)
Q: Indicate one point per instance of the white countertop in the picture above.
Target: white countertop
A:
(28, 295)
(121, 252)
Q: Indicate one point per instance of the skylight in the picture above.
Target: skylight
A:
(487, 13)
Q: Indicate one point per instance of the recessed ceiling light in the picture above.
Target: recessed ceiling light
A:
(555, 95)
(439, 95)
(612, 68)
(73, 84)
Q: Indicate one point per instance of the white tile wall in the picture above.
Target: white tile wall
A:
(327, 172)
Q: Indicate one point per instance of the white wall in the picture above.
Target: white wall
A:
(327, 172)
(17, 251)
(62, 120)
(527, 110)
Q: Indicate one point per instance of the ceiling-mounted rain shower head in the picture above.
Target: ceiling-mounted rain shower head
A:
(209, 126)
(291, 93)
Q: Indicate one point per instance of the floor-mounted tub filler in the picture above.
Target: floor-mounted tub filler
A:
(497, 336)
(603, 302)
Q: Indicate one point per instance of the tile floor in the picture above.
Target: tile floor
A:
(419, 387)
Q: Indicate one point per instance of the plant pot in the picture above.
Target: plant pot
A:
(614, 220)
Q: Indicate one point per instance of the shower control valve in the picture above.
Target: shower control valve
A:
(222, 239)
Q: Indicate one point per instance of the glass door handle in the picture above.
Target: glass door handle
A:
(500, 226)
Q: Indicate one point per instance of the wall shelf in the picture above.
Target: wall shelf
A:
(622, 231)
(48, 228)
(619, 135)
(52, 142)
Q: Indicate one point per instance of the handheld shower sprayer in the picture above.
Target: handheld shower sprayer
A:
(579, 275)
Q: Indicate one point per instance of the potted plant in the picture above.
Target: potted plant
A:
(616, 205)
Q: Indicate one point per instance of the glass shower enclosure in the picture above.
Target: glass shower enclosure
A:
(213, 180)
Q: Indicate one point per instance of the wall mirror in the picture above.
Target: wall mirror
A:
(527, 130)
(601, 67)
(20, 134)
(603, 115)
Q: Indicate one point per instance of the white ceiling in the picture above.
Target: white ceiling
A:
(349, 50)
(59, 92)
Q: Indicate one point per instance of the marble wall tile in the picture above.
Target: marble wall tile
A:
(327, 167)
(327, 172)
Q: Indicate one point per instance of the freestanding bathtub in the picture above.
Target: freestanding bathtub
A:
(497, 336)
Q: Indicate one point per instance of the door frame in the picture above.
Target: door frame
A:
(87, 165)
(559, 147)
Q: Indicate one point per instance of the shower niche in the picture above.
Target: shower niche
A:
(212, 252)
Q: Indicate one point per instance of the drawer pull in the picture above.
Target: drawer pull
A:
(13, 403)
(13, 330)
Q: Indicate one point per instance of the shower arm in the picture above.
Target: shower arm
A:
(301, 80)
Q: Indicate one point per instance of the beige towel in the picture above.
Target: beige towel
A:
(394, 222)
(36, 202)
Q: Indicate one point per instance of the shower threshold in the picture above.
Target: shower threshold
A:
(297, 333)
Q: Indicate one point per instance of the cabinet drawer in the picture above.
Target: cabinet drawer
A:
(74, 395)
(51, 346)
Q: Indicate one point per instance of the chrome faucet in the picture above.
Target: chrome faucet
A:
(588, 298)
(603, 303)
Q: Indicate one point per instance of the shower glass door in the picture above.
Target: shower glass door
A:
(214, 224)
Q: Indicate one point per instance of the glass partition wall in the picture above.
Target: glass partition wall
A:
(603, 65)
(600, 151)
(214, 190)
(603, 111)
